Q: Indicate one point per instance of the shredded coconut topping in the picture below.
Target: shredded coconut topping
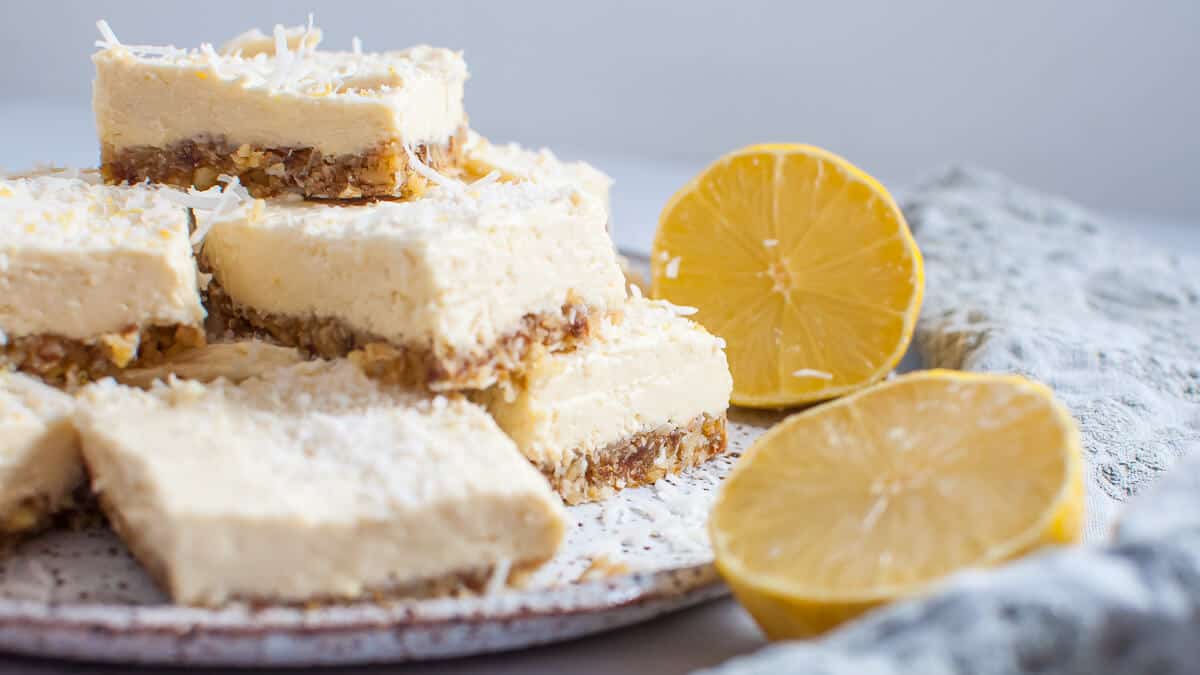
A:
(295, 66)
(71, 207)
(492, 177)
(110, 41)
(499, 578)
(681, 310)
(110, 38)
(218, 201)
(430, 174)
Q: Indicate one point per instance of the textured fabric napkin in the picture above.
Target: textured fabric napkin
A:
(1022, 282)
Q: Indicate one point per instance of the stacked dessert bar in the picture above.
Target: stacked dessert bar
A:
(342, 344)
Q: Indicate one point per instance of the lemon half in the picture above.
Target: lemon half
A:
(875, 496)
(801, 262)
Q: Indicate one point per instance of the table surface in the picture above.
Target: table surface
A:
(703, 636)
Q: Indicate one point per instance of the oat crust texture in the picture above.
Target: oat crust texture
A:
(383, 171)
(642, 459)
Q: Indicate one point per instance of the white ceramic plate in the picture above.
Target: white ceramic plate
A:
(80, 595)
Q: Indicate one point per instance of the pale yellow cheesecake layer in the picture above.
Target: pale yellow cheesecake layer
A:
(647, 369)
(79, 259)
(39, 453)
(454, 273)
(313, 482)
(339, 103)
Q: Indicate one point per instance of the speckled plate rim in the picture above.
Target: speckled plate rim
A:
(349, 634)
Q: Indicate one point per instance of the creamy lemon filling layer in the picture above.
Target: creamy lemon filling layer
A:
(39, 453)
(351, 486)
(79, 259)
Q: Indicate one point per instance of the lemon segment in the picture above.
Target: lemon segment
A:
(801, 262)
(875, 496)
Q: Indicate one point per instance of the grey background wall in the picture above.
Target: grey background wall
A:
(1098, 99)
